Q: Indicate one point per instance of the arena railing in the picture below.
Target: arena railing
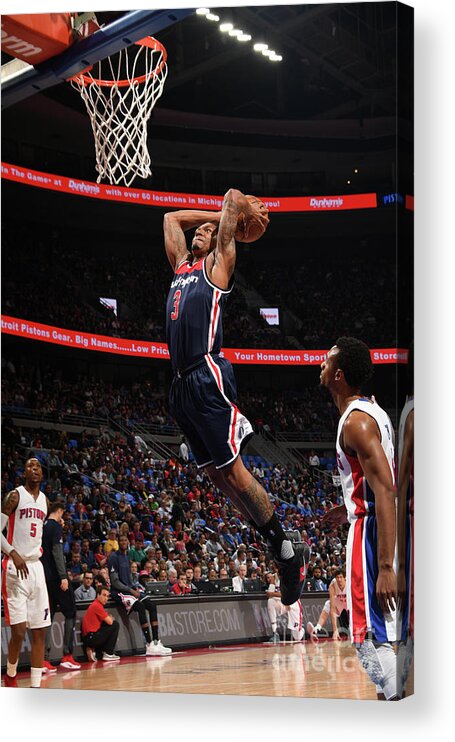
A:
(280, 438)
(55, 417)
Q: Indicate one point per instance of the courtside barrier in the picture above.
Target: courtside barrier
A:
(183, 622)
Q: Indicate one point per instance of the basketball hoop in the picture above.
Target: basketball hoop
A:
(119, 93)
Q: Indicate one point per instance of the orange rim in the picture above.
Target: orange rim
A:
(149, 41)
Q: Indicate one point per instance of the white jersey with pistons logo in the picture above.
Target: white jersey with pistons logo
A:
(340, 596)
(25, 524)
(358, 495)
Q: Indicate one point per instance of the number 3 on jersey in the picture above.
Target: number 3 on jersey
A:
(176, 299)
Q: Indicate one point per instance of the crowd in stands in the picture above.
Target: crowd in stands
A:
(176, 520)
(73, 283)
(49, 390)
(307, 409)
(340, 297)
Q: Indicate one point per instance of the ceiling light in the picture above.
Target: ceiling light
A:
(268, 52)
(235, 32)
(355, 170)
(203, 11)
(348, 182)
(260, 47)
(212, 17)
(224, 27)
(275, 58)
(244, 37)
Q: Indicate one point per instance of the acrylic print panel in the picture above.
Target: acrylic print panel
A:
(198, 474)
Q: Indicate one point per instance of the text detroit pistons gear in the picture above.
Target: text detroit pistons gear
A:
(365, 614)
(203, 392)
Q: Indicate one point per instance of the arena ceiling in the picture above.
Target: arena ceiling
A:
(333, 96)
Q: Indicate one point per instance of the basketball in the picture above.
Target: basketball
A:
(251, 228)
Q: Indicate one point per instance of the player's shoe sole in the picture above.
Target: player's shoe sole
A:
(293, 573)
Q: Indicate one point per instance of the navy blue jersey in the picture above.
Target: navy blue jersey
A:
(52, 534)
(194, 315)
(120, 563)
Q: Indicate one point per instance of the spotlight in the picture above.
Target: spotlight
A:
(355, 170)
(212, 17)
(244, 37)
(236, 32)
(225, 27)
(203, 11)
(260, 47)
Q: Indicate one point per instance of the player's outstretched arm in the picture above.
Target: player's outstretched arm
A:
(361, 434)
(176, 223)
(222, 264)
(9, 505)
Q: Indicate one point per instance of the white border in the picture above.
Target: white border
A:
(67, 716)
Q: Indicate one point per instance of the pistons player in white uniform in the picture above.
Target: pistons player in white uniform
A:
(335, 607)
(203, 392)
(276, 608)
(24, 592)
(365, 455)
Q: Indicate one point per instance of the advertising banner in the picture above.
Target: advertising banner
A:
(168, 199)
(150, 349)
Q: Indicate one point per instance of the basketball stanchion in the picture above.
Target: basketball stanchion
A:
(119, 93)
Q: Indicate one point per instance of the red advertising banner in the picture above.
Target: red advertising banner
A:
(146, 349)
(168, 199)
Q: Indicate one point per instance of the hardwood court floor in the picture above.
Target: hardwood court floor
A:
(327, 670)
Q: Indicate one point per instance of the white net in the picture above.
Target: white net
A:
(119, 94)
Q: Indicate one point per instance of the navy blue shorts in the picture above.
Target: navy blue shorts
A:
(203, 403)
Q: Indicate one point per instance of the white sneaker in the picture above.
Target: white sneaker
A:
(109, 657)
(69, 663)
(155, 649)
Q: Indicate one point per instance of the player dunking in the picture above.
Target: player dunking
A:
(365, 455)
(203, 392)
(24, 591)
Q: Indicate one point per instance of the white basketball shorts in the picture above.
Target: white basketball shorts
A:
(25, 600)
